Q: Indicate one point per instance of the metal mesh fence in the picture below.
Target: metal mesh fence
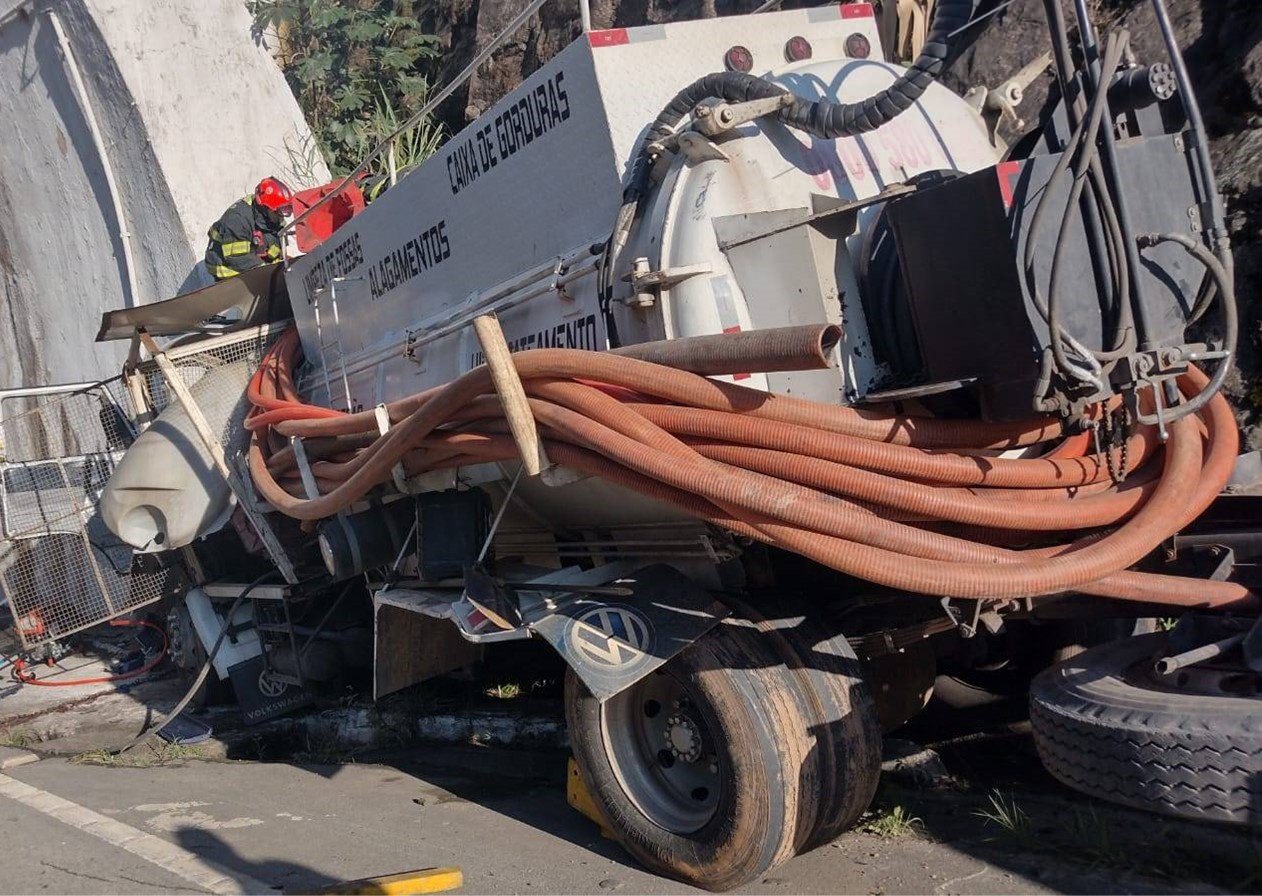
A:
(215, 372)
(61, 569)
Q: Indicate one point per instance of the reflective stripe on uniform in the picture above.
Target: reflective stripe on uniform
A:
(240, 247)
(273, 252)
(221, 272)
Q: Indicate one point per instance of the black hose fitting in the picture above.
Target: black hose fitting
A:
(1142, 86)
(829, 120)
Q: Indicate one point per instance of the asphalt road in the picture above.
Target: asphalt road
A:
(201, 826)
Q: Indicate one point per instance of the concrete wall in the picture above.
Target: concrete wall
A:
(192, 113)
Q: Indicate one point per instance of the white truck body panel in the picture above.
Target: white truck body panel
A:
(496, 202)
(384, 306)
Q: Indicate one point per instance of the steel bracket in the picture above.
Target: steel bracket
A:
(713, 117)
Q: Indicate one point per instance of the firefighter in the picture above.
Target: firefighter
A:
(248, 234)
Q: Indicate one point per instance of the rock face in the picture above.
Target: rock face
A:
(466, 25)
(1222, 40)
(181, 141)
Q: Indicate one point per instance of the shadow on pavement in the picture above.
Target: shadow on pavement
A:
(278, 875)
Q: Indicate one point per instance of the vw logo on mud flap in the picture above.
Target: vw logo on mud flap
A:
(269, 686)
(611, 638)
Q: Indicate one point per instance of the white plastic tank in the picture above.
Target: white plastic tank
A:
(166, 491)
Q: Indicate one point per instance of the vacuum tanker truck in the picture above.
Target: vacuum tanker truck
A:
(769, 416)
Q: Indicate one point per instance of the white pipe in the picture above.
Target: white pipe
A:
(585, 10)
(132, 298)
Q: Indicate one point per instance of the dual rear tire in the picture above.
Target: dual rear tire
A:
(757, 742)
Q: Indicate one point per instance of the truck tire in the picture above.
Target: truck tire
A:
(841, 715)
(1036, 649)
(1103, 726)
(701, 768)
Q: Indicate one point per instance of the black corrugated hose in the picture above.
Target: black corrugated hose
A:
(820, 118)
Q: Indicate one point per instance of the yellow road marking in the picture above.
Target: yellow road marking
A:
(428, 880)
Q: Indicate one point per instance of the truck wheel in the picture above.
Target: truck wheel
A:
(1107, 725)
(838, 707)
(700, 768)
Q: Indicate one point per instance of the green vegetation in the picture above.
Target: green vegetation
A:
(355, 67)
(889, 824)
(17, 737)
(146, 755)
(510, 691)
(1009, 817)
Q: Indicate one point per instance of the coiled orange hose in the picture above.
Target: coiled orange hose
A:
(841, 486)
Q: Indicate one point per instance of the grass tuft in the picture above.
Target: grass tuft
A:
(18, 738)
(889, 824)
(1008, 817)
(146, 755)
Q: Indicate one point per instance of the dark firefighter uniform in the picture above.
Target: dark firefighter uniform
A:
(249, 232)
(241, 240)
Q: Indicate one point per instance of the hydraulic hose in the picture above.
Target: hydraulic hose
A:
(1087, 153)
(201, 674)
(670, 385)
(1231, 314)
(1081, 152)
(19, 667)
(824, 119)
(779, 470)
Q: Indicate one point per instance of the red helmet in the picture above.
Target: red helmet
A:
(271, 193)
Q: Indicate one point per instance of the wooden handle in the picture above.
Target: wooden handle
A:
(512, 394)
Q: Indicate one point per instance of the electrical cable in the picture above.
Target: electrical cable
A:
(1231, 315)
(1081, 153)
(1086, 153)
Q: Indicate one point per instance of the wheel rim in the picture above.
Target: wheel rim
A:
(659, 744)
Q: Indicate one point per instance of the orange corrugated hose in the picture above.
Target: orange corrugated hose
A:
(853, 489)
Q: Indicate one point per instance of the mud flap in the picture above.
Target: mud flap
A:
(262, 697)
(613, 643)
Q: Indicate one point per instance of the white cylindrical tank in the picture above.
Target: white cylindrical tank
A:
(166, 491)
(740, 221)
(745, 239)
